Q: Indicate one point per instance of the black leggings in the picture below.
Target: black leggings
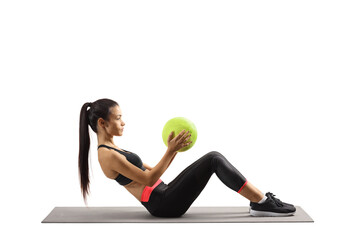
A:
(175, 198)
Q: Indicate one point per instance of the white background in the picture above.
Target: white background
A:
(272, 85)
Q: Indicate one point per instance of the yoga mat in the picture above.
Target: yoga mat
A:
(141, 215)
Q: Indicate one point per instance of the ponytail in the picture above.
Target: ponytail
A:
(84, 146)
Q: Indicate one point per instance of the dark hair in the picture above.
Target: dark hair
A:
(98, 109)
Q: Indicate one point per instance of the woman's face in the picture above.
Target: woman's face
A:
(115, 125)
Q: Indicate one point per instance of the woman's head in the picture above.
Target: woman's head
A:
(103, 118)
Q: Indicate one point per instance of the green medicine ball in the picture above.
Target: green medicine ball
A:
(178, 124)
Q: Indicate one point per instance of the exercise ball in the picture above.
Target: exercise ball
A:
(178, 124)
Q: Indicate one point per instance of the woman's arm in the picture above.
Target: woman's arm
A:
(172, 159)
(120, 164)
(147, 166)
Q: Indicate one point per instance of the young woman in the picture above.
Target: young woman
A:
(143, 181)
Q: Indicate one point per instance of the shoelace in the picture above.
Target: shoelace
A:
(277, 201)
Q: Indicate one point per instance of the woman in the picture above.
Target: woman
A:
(143, 181)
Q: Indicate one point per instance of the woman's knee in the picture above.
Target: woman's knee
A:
(215, 154)
(213, 157)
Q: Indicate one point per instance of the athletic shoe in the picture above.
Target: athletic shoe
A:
(272, 207)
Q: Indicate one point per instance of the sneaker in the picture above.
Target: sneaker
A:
(272, 207)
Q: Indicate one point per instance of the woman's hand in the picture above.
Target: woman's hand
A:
(178, 142)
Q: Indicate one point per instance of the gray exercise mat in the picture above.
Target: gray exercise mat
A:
(141, 215)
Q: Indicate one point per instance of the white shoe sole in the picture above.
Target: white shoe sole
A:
(255, 213)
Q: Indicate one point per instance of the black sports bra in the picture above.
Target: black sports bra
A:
(131, 157)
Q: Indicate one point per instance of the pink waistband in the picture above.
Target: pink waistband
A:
(147, 191)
